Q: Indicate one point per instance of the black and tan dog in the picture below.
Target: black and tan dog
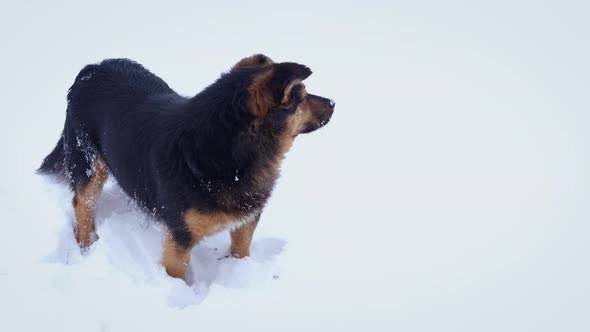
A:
(200, 164)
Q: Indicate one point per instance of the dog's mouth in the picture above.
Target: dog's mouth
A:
(317, 125)
(308, 129)
(321, 112)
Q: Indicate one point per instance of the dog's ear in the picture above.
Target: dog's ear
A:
(284, 74)
(268, 88)
(256, 60)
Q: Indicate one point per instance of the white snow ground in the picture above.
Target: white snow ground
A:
(451, 191)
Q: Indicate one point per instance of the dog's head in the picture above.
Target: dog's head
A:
(279, 99)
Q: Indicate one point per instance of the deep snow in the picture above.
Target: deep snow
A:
(450, 191)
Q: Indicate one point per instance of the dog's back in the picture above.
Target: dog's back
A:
(102, 114)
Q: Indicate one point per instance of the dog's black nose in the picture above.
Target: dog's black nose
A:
(332, 103)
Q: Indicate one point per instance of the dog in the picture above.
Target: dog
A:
(199, 165)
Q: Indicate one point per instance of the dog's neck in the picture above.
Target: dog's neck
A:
(239, 170)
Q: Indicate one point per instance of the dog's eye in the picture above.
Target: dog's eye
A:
(295, 94)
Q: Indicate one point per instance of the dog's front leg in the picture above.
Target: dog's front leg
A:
(176, 256)
(241, 238)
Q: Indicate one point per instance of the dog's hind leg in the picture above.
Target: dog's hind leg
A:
(85, 203)
(86, 173)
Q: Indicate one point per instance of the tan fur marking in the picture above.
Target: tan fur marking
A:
(264, 179)
(241, 239)
(261, 99)
(175, 259)
(294, 125)
(286, 100)
(85, 202)
(257, 60)
(202, 224)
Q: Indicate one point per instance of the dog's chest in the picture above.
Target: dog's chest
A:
(206, 224)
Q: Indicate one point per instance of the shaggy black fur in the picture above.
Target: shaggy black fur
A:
(168, 152)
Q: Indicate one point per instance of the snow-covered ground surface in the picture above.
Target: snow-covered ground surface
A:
(450, 192)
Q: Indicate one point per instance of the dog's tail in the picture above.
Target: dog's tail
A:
(54, 162)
